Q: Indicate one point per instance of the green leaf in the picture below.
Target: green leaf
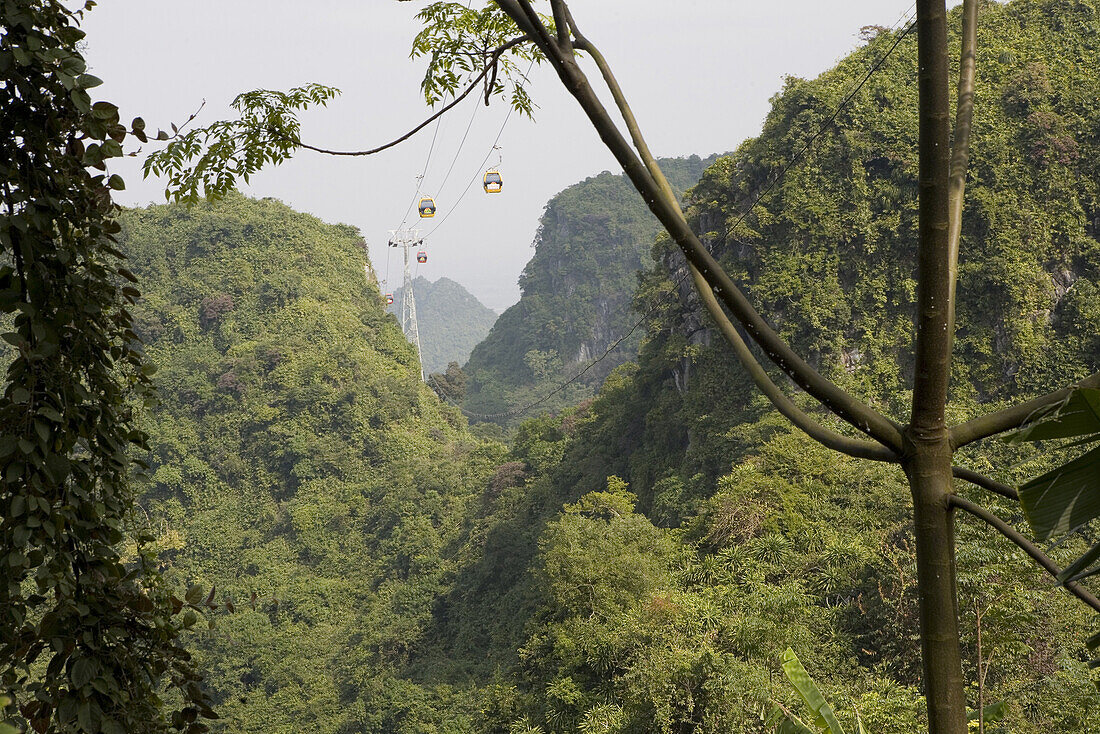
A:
(1077, 569)
(82, 672)
(1063, 498)
(809, 692)
(1077, 415)
(88, 81)
(194, 594)
(116, 182)
(991, 713)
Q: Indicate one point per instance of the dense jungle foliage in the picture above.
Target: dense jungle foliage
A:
(593, 239)
(299, 467)
(680, 633)
(638, 562)
(450, 318)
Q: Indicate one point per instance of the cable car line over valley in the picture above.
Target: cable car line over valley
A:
(909, 23)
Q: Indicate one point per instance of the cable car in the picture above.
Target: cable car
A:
(492, 182)
(389, 299)
(427, 207)
(422, 257)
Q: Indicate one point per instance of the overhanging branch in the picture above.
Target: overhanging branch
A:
(1037, 555)
(860, 415)
(830, 439)
(980, 480)
(1009, 419)
(494, 55)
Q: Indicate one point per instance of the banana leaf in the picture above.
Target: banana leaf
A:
(1064, 497)
(810, 693)
(1077, 415)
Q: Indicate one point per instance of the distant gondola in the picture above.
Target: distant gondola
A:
(427, 207)
(389, 299)
(422, 257)
(492, 182)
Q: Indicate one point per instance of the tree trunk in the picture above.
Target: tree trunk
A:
(929, 472)
(928, 455)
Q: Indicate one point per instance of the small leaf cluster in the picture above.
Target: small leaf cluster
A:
(266, 132)
(460, 41)
(87, 642)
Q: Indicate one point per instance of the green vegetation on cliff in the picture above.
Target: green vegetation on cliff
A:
(299, 466)
(593, 239)
(637, 563)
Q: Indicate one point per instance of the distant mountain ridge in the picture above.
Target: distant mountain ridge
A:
(451, 320)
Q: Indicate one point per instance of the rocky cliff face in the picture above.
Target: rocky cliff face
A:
(593, 240)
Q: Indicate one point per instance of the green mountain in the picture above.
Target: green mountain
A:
(300, 469)
(593, 240)
(450, 319)
(639, 562)
(651, 553)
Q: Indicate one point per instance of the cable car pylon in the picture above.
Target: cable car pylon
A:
(407, 239)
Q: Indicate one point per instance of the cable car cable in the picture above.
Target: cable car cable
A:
(423, 172)
(679, 281)
(459, 151)
(824, 126)
(496, 141)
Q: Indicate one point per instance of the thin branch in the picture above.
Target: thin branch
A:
(960, 151)
(832, 396)
(519, 17)
(830, 439)
(562, 25)
(980, 480)
(1026, 545)
(491, 66)
(627, 113)
(1009, 419)
(540, 28)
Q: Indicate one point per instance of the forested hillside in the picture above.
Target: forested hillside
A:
(611, 621)
(450, 318)
(593, 239)
(299, 466)
(637, 562)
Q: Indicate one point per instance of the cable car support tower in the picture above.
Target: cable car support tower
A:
(407, 239)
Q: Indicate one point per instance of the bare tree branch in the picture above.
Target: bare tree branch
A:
(980, 480)
(1009, 419)
(494, 55)
(562, 25)
(1027, 546)
(960, 152)
(831, 439)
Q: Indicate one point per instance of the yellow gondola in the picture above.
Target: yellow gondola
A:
(427, 207)
(492, 182)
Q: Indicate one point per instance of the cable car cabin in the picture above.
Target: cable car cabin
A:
(492, 182)
(427, 207)
(389, 299)
(422, 257)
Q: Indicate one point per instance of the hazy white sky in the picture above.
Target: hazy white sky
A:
(699, 74)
